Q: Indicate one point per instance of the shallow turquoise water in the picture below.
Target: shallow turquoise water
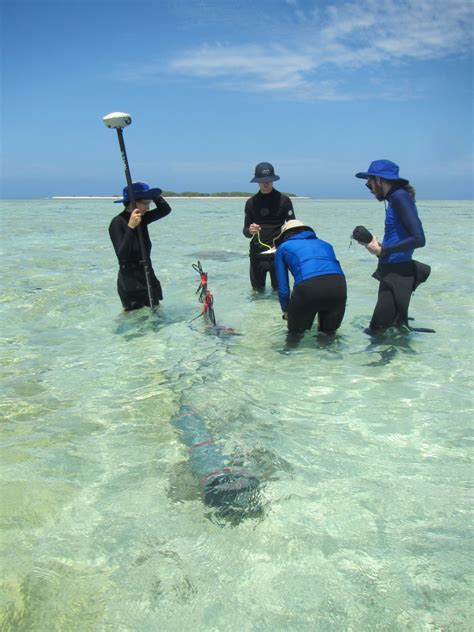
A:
(362, 449)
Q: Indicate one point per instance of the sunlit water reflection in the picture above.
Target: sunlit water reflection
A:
(361, 447)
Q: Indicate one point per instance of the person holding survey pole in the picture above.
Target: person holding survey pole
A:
(137, 284)
(265, 214)
(123, 231)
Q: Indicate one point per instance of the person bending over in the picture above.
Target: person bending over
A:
(319, 282)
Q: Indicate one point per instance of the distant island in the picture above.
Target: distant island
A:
(170, 194)
(245, 194)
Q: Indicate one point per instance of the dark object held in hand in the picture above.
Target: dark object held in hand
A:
(362, 235)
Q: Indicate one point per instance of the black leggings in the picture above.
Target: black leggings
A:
(397, 282)
(137, 300)
(324, 295)
(259, 266)
(386, 312)
(132, 287)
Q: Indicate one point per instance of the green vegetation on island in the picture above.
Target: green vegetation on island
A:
(170, 194)
(244, 194)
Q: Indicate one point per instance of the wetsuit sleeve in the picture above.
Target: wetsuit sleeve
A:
(122, 237)
(248, 218)
(282, 278)
(162, 210)
(405, 209)
(288, 208)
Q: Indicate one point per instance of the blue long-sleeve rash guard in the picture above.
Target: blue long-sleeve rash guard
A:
(305, 256)
(403, 228)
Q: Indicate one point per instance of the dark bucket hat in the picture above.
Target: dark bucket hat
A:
(141, 191)
(264, 172)
(381, 169)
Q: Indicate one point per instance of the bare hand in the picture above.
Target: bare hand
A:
(374, 247)
(135, 218)
(285, 315)
(254, 228)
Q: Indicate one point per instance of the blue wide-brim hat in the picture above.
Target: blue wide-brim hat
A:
(141, 191)
(381, 169)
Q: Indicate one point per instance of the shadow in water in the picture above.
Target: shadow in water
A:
(140, 322)
(220, 331)
(216, 255)
(388, 344)
(321, 340)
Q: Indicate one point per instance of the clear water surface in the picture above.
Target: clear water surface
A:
(362, 449)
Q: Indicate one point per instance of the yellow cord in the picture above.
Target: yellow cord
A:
(261, 242)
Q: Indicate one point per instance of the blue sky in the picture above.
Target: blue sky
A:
(319, 89)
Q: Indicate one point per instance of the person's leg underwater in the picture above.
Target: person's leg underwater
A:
(257, 274)
(333, 298)
(385, 312)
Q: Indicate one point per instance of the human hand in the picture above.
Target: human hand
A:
(374, 247)
(135, 219)
(285, 315)
(254, 228)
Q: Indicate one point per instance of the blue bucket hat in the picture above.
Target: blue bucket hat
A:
(382, 169)
(141, 191)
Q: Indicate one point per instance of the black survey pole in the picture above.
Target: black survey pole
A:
(145, 260)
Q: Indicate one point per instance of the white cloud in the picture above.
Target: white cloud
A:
(220, 60)
(323, 44)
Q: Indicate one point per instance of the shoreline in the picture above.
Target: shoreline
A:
(83, 197)
(169, 197)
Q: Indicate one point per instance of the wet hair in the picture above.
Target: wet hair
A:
(402, 184)
(410, 190)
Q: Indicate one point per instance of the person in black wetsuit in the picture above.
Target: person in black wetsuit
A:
(131, 282)
(265, 214)
(399, 275)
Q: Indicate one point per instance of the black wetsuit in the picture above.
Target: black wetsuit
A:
(131, 282)
(270, 211)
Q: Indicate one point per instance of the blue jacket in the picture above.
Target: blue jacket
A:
(403, 229)
(305, 256)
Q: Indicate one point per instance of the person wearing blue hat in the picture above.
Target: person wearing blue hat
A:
(265, 214)
(398, 274)
(131, 281)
